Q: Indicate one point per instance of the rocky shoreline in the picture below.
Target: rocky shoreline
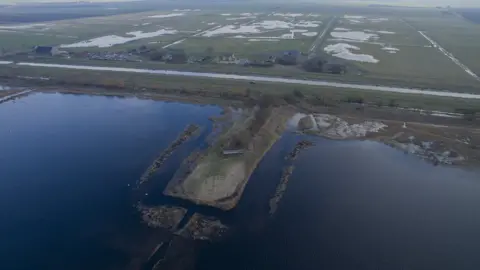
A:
(287, 172)
(183, 137)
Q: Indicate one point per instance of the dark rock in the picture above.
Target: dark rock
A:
(305, 123)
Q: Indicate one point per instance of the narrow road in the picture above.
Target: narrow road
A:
(445, 93)
(319, 40)
(444, 52)
(450, 55)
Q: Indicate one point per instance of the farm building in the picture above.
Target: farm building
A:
(46, 50)
(289, 57)
(233, 152)
(227, 58)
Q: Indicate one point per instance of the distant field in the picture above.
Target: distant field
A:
(455, 34)
(242, 47)
(400, 33)
(387, 47)
(396, 53)
(412, 64)
(14, 37)
(40, 12)
(184, 23)
(472, 14)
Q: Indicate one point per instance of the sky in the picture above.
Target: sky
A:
(431, 3)
(56, 1)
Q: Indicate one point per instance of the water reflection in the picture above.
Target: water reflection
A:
(65, 165)
(66, 162)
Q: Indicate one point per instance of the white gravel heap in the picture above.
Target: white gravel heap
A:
(337, 128)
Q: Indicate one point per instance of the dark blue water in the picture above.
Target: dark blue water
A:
(65, 165)
(361, 205)
(66, 162)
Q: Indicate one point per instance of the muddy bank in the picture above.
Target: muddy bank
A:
(189, 131)
(219, 175)
(436, 144)
(334, 127)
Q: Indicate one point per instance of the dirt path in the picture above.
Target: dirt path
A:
(319, 40)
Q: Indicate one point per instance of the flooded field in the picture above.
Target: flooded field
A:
(69, 165)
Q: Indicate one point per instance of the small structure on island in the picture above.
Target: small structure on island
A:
(233, 152)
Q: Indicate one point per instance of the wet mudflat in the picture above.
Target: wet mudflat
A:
(68, 165)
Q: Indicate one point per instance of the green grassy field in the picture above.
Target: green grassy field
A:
(403, 34)
(276, 71)
(72, 31)
(456, 35)
(13, 41)
(76, 30)
(200, 87)
(416, 62)
(242, 47)
(412, 64)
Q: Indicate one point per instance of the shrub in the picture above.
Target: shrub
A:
(392, 103)
(297, 93)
